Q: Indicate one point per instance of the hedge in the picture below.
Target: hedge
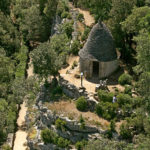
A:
(22, 58)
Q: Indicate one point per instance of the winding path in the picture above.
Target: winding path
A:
(21, 135)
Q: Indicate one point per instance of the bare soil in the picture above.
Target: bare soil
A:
(88, 18)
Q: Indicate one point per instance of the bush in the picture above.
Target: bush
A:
(62, 7)
(85, 34)
(57, 90)
(123, 99)
(47, 136)
(112, 126)
(128, 89)
(63, 143)
(6, 147)
(68, 28)
(81, 120)
(60, 124)
(80, 17)
(65, 15)
(75, 47)
(107, 110)
(22, 58)
(105, 96)
(125, 79)
(81, 104)
(125, 132)
(80, 145)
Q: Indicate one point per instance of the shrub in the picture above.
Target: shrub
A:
(63, 143)
(6, 147)
(137, 102)
(65, 14)
(68, 28)
(125, 132)
(112, 126)
(60, 124)
(75, 47)
(106, 110)
(22, 58)
(125, 79)
(81, 120)
(123, 99)
(105, 96)
(85, 34)
(128, 89)
(80, 17)
(47, 136)
(80, 145)
(62, 7)
(57, 90)
(81, 103)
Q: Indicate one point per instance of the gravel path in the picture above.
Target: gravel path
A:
(21, 136)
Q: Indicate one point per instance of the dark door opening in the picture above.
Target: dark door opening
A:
(95, 68)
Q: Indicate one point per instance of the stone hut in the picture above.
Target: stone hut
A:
(98, 57)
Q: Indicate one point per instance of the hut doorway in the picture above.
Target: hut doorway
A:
(95, 68)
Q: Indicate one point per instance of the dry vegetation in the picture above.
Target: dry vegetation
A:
(68, 108)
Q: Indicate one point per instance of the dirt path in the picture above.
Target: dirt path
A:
(88, 18)
(21, 135)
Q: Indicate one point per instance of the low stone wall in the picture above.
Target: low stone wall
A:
(70, 89)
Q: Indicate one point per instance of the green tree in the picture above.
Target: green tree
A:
(143, 49)
(136, 21)
(9, 36)
(45, 60)
(4, 6)
(119, 12)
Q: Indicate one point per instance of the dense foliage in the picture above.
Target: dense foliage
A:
(48, 136)
(25, 26)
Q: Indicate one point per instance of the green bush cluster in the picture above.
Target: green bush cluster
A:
(107, 110)
(105, 96)
(80, 145)
(81, 120)
(6, 147)
(125, 79)
(85, 34)
(124, 99)
(66, 14)
(81, 103)
(80, 17)
(60, 124)
(62, 9)
(57, 90)
(48, 136)
(75, 47)
(67, 28)
(128, 89)
(22, 58)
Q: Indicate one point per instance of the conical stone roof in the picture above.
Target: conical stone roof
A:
(100, 45)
